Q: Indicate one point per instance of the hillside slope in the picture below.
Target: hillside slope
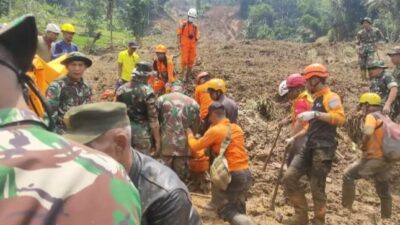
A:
(253, 70)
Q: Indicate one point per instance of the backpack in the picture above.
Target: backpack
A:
(391, 137)
(219, 172)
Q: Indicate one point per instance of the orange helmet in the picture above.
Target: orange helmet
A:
(201, 75)
(315, 70)
(161, 49)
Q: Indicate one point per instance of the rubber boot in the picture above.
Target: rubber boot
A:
(183, 73)
(241, 219)
(382, 188)
(386, 208)
(364, 76)
(348, 192)
(300, 210)
(188, 74)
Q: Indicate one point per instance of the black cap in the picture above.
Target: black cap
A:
(133, 44)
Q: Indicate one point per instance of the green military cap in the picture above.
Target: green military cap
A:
(377, 64)
(20, 38)
(77, 56)
(394, 51)
(177, 86)
(87, 122)
(143, 69)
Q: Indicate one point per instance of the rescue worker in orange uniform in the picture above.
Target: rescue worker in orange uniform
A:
(373, 162)
(230, 203)
(188, 36)
(201, 94)
(199, 164)
(164, 66)
(301, 102)
(315, 158)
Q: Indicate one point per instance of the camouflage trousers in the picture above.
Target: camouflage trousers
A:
(365, 59)
(179, 164)
(379, 170)
(316, 163)
(233, 200)
(395, 111)
(143, 145)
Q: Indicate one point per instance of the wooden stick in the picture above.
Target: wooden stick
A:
(278, 181)
(272, 148)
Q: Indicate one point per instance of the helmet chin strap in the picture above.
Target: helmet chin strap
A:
(24, 79)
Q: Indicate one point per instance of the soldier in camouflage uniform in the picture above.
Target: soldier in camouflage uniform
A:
(67, 183)
(366, 42)
(140, 99)
(384, 84)
(70, 90)
(395, 57)
(177, 112)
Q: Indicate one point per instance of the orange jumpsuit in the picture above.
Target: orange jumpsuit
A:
(165, 74)
(189, 35)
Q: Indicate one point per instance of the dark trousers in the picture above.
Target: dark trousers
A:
(316, 163)
(233, 200)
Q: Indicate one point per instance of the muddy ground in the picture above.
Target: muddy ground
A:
(253, 70)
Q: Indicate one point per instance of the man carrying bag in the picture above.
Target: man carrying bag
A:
(230, 174)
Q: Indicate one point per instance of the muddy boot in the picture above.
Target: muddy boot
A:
(297, 219)
(382, 188)
(241, 219)
(300, 210)
(188, 74)
(364, 74)
(386, 208)
(348, 192)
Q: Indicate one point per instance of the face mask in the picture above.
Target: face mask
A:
(190, 19)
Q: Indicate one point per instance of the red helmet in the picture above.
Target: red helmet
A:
(201, 75)
(295, 80)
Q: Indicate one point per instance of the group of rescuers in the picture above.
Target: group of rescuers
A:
(158, 138)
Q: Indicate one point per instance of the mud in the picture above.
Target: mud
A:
(253, 70)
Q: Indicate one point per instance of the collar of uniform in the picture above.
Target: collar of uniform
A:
(322, 92)
(224, 121)
(302, 95)
(70, 81)
(14, 115)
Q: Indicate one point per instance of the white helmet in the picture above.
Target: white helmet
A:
(283, 90)
(53, 28)
(192, 13)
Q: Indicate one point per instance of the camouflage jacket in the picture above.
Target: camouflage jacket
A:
(366, 39)
(64, 93)
(140, 100)
(396, 73)
(177, 112)
(46, 179)
(382, 85)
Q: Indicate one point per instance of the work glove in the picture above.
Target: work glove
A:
(306, 116)
(289, 141)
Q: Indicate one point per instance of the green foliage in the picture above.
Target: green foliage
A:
(93, 11)
(136, 15)
(4, 7)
